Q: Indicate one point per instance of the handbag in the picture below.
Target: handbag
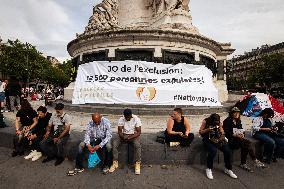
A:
(93, 160)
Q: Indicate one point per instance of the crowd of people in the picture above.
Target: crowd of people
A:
(45, 134)
(11, 94)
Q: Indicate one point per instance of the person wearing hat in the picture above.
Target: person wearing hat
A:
(129, 131)
(56, 136)
(264, 131)
(235, 134)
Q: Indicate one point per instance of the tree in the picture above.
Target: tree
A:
(26, 63)
(269, 70)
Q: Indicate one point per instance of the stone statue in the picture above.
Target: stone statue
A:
(105, 16)
(160, 6)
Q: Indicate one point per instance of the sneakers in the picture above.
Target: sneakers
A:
(138, 168)
(36, 156)
(230, 173)
(209, 174)
(113, 166)
(246, 167)
(174, 144)
(75, 171)
(30, 154)
(105, 170)
(259, 164)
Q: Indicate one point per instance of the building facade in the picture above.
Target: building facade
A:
(240, 68)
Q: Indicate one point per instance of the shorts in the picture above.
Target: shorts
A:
(2, 97)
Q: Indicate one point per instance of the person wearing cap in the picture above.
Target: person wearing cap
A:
(264, 131)
(235, 134)
(56, 136)
(129, 131)
(178, 129)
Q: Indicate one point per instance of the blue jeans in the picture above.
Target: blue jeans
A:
(212, 150)
(84, 150)
(269, 144)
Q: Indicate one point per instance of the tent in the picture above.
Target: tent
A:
(252, 105)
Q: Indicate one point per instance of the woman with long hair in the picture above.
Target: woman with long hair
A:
(214, 138)
(26, 120)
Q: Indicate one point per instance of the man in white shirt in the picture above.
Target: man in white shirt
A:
(129, 131)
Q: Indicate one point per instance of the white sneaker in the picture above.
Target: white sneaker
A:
(209, 173)
(30, 154)
(230, 173)
(36, 156)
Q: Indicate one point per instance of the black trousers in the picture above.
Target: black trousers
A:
(83, 151)
(54, 150)
(176, 138)
(246, 148)
(21, 144)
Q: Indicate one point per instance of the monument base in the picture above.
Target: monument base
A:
(68, 92)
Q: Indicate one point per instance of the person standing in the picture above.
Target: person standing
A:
(3, 86)
(14, 92)
(129, 131)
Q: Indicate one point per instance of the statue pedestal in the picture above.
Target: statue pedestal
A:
(68, 92)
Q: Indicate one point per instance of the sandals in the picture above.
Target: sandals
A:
(74, 172)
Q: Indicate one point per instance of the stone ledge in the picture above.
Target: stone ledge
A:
(152, 152)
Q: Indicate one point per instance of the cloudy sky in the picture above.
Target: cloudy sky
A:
(51, 24)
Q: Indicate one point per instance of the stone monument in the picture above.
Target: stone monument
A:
(148, 30)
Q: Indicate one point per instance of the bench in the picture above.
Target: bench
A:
(152, 151)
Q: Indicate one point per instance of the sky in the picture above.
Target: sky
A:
(51, 24)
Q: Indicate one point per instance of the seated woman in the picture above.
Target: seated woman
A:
(178, 129)
(264, 131)
(26, 120)
(213, 138)
(234, 132)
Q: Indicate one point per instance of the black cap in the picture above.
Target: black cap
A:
(59, 106)
(127, 113)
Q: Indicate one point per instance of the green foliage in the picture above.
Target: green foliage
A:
(23, 61)
(269, 70)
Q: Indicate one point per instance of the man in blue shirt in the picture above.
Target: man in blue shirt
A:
(97, 139)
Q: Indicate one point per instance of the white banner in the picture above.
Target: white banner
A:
(137, 82)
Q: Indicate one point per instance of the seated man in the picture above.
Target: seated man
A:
(129, 130)
(97, 139)
(26, 120)
(37, 133)
(178, 129)
(56, 136)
